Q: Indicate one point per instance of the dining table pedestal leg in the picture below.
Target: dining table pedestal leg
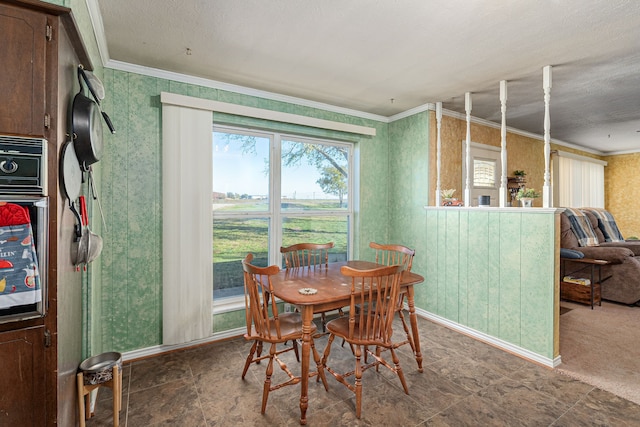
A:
(414, 326)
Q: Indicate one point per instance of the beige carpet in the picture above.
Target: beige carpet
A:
(602, 347)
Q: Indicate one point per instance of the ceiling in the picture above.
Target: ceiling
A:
(384, 57)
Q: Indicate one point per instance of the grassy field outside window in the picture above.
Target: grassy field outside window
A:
(311, 182)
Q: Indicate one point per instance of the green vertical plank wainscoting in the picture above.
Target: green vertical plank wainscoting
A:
(492, 273)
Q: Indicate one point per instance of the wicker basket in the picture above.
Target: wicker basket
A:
(580, 293)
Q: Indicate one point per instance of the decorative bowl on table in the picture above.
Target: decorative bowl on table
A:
(99, 369)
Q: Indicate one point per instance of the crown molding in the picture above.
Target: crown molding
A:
(214, 84)
(412, 111)
(618, 153)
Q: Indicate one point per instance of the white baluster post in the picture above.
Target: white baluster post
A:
(467, 187)
(503, 138)
(438, 151)
(546, 86)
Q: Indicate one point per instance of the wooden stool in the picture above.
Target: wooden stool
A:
(84, 398)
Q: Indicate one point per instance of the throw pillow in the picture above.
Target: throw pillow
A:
(581, 227)
(607, 224)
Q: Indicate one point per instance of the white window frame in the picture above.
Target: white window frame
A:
(495, 173)
(481, 152)
(274, 213)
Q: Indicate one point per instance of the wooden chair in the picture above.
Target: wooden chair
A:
(265, 328)
(366, 328)
(391, 255)
(308, 255)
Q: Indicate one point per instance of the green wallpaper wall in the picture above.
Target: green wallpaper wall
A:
(409, 175)
(130, 281)
(131, 276)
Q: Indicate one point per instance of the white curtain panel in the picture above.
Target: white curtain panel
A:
(186, 211)
(581, 182)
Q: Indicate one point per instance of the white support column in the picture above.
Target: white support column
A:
(438, 151)
(467, 186)
(503, 138)
(546, 86)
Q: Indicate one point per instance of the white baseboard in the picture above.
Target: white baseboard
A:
(496, 342)
(159, 349)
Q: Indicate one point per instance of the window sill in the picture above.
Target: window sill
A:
(226, 305)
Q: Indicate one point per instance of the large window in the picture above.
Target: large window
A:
(272, 190)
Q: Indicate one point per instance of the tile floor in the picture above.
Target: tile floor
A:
(464, 383)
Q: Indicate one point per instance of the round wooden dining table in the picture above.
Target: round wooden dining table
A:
(319, 289)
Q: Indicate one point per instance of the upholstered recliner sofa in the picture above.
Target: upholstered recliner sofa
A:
(623, 284)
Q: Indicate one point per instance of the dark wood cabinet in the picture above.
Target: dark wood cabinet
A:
(23, 103)
(23, 57)
(40, 49)
(23, 377)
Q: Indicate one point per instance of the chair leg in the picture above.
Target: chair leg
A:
(294, 343)
(378, 355)
(351, 346)
(319, 367)
(398, 370)
(358, 381)
(259, 352)
(247, 363)
(406, 330)
(267, 381)
(327, 351)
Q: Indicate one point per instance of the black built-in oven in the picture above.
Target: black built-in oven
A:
(24, 228)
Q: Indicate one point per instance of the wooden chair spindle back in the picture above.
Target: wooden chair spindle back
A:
(393, 254)
(306, 255)
(257, 287)
(375, 291)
